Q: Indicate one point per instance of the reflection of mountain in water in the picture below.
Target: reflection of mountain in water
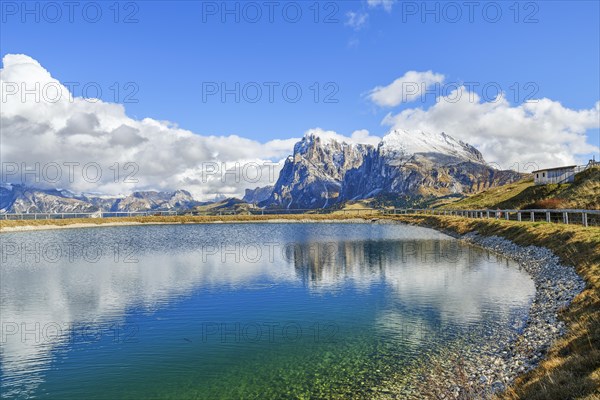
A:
(454, 280)
(436, 287)
(328, 263)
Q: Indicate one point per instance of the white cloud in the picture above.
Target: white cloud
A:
(67, 129)
(407, 88)
(385, 4)
(356, 20)
(77, 130)
(357, 137)
(540, 133)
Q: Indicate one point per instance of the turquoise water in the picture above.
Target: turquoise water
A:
(240, 310)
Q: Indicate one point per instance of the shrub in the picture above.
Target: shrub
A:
(550, 204)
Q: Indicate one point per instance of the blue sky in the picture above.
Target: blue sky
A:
(171, 51)
(337, 68)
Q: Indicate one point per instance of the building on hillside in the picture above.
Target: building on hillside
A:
(560, 174)
(554, 175)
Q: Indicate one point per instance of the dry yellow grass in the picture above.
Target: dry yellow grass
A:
(185, 219)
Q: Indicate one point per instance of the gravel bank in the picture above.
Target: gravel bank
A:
(492, 367)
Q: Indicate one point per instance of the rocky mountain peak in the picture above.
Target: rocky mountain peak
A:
(409, 164)
(317, 142)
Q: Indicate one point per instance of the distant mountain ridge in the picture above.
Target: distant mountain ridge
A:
(23, 199)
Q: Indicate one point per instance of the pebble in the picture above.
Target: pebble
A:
(490, 370)
(556, 286)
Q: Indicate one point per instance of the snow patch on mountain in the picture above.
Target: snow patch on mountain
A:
(401, 145)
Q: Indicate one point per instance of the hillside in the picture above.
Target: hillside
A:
(226, 206)
(583, 193)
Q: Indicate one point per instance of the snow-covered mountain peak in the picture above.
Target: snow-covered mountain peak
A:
(403, 144)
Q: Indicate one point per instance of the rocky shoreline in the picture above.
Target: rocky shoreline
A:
(490, 369)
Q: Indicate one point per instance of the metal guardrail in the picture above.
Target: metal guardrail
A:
(115, 214)
(566, 216)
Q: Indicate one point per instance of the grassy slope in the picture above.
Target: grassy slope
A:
(572, 368)
(583, 193)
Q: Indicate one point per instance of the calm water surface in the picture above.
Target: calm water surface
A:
(240, 310)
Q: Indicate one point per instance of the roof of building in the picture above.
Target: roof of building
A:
(552, 169)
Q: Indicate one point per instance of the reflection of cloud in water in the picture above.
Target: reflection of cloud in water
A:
(101, 293)
(451, 282)
(174, 261)
(460, 291)
(455, 280)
